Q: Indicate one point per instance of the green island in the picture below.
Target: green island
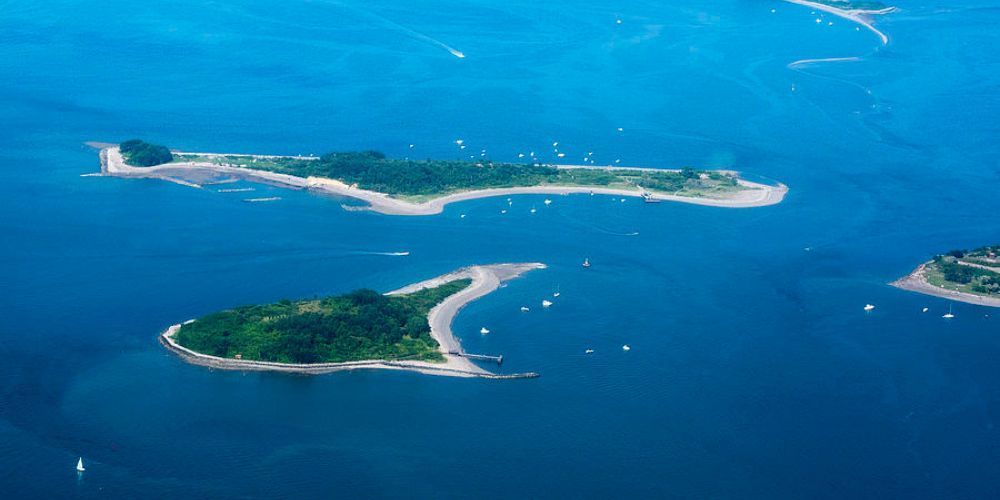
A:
(418, 180)
(967, 271)
(143, 154)
(971, 276)
(423, 187)
(361, 325)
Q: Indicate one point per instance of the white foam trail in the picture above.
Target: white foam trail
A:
(390, 254)
(411, 32)
(807, 62)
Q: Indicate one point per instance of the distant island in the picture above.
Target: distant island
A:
(406, 329)
(424, 187)
(971, 276)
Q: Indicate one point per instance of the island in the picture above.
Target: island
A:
(859, 12)
(405, 329)
(424, 187)
(971, 276)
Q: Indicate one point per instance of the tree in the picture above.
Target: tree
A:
(143, 154)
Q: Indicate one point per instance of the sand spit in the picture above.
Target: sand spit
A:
(112, 163)
(485, 279)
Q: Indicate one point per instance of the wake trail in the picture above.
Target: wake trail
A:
(407, 31)
(808, 62)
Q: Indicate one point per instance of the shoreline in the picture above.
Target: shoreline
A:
(853, 15)
(112, 163)
(917, 282)
(485, 279)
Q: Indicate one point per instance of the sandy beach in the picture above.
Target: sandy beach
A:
(112, 163)
(485, 279)
(859, 16)
(917, 282)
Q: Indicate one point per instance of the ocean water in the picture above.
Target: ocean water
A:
(753, 372)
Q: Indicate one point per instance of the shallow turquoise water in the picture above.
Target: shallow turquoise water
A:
(753, 370)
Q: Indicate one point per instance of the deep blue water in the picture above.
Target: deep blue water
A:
(753, 370)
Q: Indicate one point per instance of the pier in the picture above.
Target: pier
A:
(481, 357)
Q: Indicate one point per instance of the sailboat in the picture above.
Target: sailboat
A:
(79, 465)
(548, 201)
(556, 293)
(484, 330)
(869, 307)
(949, 315)
(546, 303)
(586, 262)
(524, 309)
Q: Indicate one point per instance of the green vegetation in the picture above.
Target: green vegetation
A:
(969, 271)
(372, 171)
(360, 325)
(143, 154)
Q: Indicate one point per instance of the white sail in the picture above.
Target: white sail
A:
(79, 465)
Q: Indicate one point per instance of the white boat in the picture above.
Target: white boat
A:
(925, 309)
(524, 309)
(484, 330)
(949, 315)
(548, 201)
(869, 307)
(586, 262)
(503, 211)
(79, 465)
(556, 294)
(546, 303)
(533, 210)
(589, 351)
(626, 348)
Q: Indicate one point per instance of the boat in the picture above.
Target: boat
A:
(949, 315)
(589, 351)
(484, 330)
(869, 307)
(925, 309)
(546, 303)
(648, 198)
(79, 465)
(586, 262)
(533, 210)
(626, 348)
(503, 211)
(524, 309)
(548, 201)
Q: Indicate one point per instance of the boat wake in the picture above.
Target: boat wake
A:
(409, 31)
(388, 254)
(809, 62)
(613, 233)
